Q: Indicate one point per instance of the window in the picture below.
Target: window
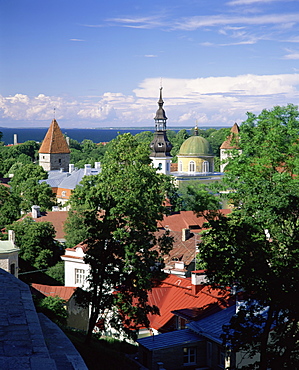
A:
(191, 166)
(13, 268)
(59, 161)
(205, 166)
(180, 166)
(63, 193)
(189, 355)
(160, 166)
(79, 276)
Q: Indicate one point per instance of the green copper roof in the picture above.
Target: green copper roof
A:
(7, 246)
(196, 145)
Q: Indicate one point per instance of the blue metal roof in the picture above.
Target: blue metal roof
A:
(172, 339)
(211, 326)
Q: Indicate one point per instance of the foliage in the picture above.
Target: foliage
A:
(196, 196)
(9, 207)
(256, 249)
(112, 354)
(86, 152)
(177, 141)
(25, 185)
(57, 272)
(36, 242)
(54, 308)
(118, 211)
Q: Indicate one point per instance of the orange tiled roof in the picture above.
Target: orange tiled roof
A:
(185, 220)
(57, 219)
(232, 140)
(176, 293)
(60, 291)
(54, 141)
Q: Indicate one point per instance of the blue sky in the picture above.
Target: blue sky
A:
(101, 63)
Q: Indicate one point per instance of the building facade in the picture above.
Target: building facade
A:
(54, 153)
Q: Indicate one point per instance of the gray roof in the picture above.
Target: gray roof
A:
(211, 326)
(171, 339)
(67, 180)
(27, 342)
(7, 246)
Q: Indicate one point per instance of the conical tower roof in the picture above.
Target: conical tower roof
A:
(232, 140)
(54, 141)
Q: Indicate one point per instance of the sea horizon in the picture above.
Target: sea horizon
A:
(97, 135)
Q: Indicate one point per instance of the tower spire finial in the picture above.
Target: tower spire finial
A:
(54, 113)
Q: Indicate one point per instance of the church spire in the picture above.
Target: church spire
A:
(161, 146)
(160, 118)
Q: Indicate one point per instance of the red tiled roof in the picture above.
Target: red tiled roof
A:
(185, 219)
(57, 218)
(54, 141)
(232, 140)
(60, 291)
(175, 293)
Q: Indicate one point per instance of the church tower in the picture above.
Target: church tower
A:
(54, 153)
(231, 142)
(160, 146)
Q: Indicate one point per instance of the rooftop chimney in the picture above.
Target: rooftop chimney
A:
(71, 168)
(35, 211)
(87, 170)
(198, 279)
(11, 236)
(185, 234)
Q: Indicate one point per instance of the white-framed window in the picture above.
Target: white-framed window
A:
(63, 193)
(191, 166)
(189, 355)
(79, 276)
(160, 166)
(180, 166)
(205, 167)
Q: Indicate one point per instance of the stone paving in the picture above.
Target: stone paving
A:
(28, 341)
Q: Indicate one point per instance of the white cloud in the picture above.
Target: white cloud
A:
(77, 40)
(293, 55)
(249, 2)
(193, 23)
(211, 101)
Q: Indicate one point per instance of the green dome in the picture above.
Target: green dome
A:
(197, 146)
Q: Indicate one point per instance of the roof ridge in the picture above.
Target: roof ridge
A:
(54, 142)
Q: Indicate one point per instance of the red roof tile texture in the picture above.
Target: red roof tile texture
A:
(57, 219)
(60, 291)
(232, 140)
(54, 141)
(185, 220)
(176, 293)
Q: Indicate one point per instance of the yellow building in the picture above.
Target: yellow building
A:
(196, 155)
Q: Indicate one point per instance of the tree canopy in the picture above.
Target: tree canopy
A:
(118, 212)
(36, 242)
(25, 185)
(256, 249)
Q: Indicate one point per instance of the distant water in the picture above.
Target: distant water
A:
(38, 134)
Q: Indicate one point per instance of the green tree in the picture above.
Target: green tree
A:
(177, 141)
(256, 249)
(54, 308)
(57, 272)
(118, 211)
(9, 207)
(25, 185)
(197, 197)
(36, 242)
